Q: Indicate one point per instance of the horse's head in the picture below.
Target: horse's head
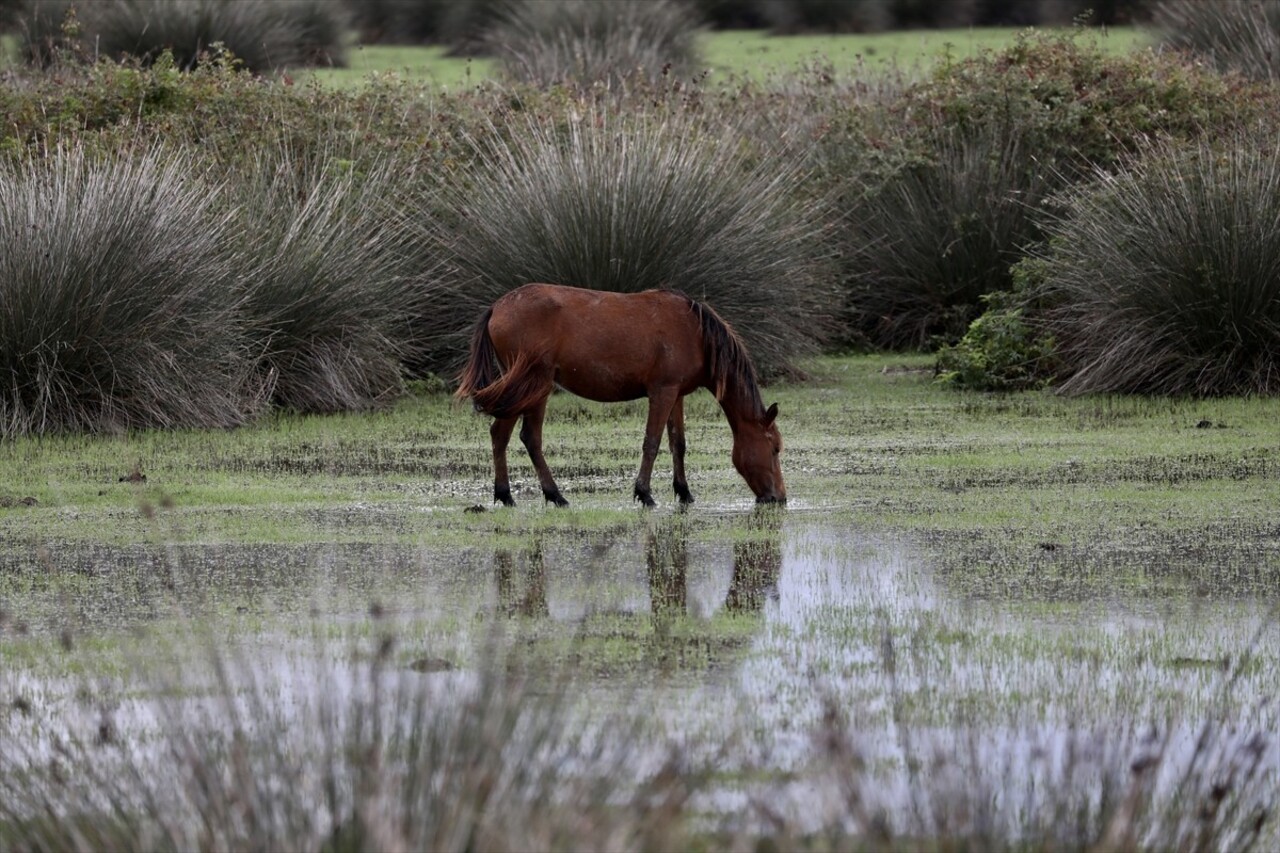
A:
(757, 448)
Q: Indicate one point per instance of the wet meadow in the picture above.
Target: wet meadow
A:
(974, 618)
(1016, 304)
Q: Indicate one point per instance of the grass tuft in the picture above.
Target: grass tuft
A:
(633, 203)
(586, 42)
(329, 298)
(1234, 35)
(368, 756)
(263, 34)
(1165, 279)
(940, 234)
(118, 305)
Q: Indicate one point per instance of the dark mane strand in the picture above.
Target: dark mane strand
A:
(729, 366)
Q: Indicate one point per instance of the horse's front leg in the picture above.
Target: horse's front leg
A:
(675, 440)
(661, 401)
(531, 435)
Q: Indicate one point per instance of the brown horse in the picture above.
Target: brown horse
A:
(611, 347)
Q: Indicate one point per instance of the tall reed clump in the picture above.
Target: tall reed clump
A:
(630, 203)
(263, 34)
(1234, 35)
(117, 297)
(586, 42)
(365, 757)
(1165, 279)
(330, 299)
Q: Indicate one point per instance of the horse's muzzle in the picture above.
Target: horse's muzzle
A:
(772, 500)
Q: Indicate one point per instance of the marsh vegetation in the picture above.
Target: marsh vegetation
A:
(989, 619)
(252, 593)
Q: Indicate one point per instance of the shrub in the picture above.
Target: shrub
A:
(1000, 351)
(637, 202)
(947, 196)
(329, 300)
(262, 34)
(1164, 279)
(940, 234)
(585, 42)
(730, 14)
(117, 307)
(1235, 36)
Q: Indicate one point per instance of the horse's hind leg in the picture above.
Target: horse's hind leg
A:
(675, 438)
(500, 433)
(531, 435)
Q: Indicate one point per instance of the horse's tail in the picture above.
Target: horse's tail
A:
(481, 369)
(502, 394)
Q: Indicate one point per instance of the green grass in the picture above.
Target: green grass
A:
(869, 438)
(415, 64)
(1046, 567)
(757, 54)
(754, 54)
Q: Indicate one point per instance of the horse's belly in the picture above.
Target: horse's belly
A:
(598, 382)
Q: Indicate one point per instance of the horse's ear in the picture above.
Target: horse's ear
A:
(769, 414)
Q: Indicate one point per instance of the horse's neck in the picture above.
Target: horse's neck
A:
(738, 405)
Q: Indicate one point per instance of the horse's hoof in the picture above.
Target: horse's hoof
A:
(554, 496)
(503, 495)
(645, 498)
(683, 493)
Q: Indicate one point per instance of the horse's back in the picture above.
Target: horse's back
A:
(602, 345)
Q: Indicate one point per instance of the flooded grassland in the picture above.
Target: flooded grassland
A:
(977, 614)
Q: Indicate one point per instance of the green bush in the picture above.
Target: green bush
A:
(948, 192)
(231, 116)
(730, 14)
(1000, 351)
(631, 202)
(1235, 36)
(586, 42)
(262, 34)
(1163, 279)
(117, 297)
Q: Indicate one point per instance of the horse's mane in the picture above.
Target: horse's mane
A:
(728, 363)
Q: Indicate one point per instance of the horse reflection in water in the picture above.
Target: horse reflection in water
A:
(521, 576)
(757, 561)
(522, 583)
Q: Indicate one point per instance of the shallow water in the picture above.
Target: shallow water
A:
(745, 627)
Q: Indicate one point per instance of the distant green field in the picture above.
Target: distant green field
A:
(751, 53)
